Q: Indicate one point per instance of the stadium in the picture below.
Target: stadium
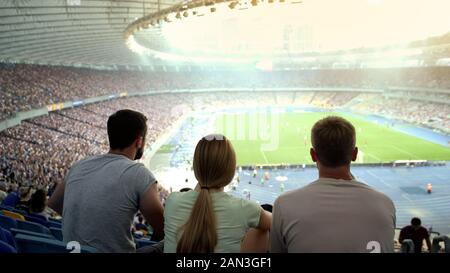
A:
(260, 72)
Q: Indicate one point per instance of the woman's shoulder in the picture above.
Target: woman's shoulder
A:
(176, 197)
(236, 202)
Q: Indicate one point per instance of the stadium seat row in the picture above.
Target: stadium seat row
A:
(22, 233)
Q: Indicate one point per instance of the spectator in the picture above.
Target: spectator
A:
(335, 213)
(207, 219)
(38, 203)
(109, 189)
(3, 191)
(25, 196)
(417, 233)
(140, 226)
(13, 198)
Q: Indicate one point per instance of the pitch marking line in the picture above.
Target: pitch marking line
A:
(407, 198)
(374, 156)
(403, 151)
(380, 179)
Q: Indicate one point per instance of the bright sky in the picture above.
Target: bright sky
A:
(315, 25)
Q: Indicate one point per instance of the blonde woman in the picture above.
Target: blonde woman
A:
(208, 219)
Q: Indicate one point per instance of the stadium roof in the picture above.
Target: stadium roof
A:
(71, 32)
(91, 32)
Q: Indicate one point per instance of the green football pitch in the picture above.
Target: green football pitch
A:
(284, 138)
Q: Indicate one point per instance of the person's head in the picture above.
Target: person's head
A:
(12, 187)
(3, 186)
(333, 142)
(185, 189)
(25, 193)
(214, 167)
(127, 130)
(214, 162)
(38, 201)
(416, 223)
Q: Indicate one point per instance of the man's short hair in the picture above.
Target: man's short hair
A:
(124, 127)
(416, 221)
(334, 139)
(267, 207)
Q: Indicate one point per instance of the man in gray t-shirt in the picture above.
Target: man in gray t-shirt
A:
(101, 194)
(336, 213)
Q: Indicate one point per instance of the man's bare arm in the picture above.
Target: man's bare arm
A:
(56, 201)
(153, 211)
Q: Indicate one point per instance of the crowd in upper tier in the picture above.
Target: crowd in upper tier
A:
(24, 87)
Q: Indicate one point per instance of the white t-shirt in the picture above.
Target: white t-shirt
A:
(234, 217)
(331, 215)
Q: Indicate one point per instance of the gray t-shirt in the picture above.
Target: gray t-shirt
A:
(101, 197)
(331, 215)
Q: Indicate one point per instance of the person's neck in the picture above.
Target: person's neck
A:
(342, 172)
(130, 154)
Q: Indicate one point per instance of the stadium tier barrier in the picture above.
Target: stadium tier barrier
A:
(396, 163)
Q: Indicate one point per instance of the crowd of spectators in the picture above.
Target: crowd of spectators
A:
(40, 150)
(24, 87)
(433, 115)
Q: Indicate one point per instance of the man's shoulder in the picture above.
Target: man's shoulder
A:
(307, 192)
(86, 160)
(103, 159)
(423, 230)
(374, 192)
(295, 195)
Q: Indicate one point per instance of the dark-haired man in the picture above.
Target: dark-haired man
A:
(101, 194)
(417, 233)
(335, 213)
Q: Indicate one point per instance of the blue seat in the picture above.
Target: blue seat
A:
(143, 242)
(35, 227)
(7, 237)
(35, 219)
(31, 244)
(57, 233)
(6, 248)
(54, 224)
(38, 216)
(3, 207)
(20, 211)
(16, 231)
(7, 222)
